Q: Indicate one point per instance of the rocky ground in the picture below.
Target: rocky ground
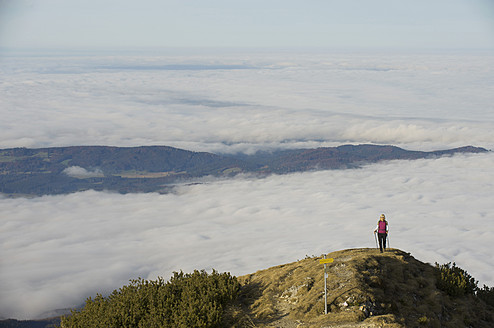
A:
(365, 289)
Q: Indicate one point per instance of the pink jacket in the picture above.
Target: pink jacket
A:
(382, 226)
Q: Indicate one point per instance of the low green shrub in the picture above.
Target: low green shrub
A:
(486, 294)
(423, 320)
(187, 300)
(454, 280)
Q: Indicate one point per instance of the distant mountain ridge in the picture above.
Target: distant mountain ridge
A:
(60, 170)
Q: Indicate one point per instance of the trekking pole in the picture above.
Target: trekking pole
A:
(375, 238)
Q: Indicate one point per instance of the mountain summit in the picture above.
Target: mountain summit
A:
(365, 289)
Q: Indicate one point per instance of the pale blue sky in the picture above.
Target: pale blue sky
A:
(417, 24)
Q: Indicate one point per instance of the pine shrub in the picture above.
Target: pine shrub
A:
(486, 294)
(454, 280)
(186, 300)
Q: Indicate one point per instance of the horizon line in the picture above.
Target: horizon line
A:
(187, 50)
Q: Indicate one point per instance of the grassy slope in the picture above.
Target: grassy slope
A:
(365, 289)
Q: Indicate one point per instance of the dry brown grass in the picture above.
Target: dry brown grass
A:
(365, 289)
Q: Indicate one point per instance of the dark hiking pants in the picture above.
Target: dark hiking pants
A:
(382, 240)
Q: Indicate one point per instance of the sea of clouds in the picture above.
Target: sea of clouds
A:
(58, 250)
(242, 102)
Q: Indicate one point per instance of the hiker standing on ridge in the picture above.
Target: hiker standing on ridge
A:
(382, 232)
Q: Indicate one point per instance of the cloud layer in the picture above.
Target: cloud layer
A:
(57, 250)
(422, 102)
(80, 172)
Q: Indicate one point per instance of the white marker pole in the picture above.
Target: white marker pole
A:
(325, 289)
(325, 261)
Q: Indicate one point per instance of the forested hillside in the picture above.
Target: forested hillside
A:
(157, 168)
